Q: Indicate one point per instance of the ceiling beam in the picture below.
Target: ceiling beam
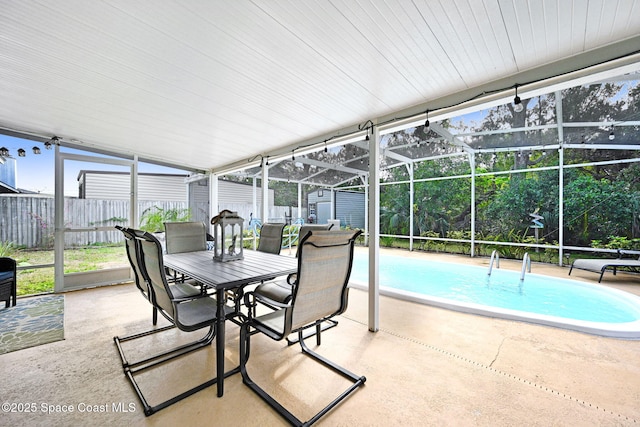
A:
(329, 166)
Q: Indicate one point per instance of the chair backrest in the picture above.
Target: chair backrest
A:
(324, 267)
(7, 264)
(271, 238)
(306, 228)
(133, 254)
(153, 266)
(188, 236)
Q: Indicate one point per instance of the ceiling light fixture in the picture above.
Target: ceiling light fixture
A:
(426, 123)
(517, 102)
(293, 155)
(612, 135)
(21, 152)
(4, 152)
(36, 150)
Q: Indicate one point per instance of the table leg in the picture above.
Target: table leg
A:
(220, 341)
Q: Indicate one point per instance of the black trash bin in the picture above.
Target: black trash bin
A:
(8, 281)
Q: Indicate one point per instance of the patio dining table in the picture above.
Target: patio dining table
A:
(222, 276)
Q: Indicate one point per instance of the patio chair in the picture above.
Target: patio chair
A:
(189, 236)
(280, 290)
(180, 290)
(8, 282)
(188, 314)
(186, 236)
(320, 293)
(271, 238)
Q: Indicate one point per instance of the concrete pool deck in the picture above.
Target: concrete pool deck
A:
(425, 366)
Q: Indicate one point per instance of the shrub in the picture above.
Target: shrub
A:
(7, 249)
(386, 241)
(153, 218)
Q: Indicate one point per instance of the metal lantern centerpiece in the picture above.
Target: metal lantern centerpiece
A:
(227, 235)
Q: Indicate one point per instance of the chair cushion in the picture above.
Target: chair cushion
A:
(271, 323)
(278, 291)
(198, 313)
(183, 290)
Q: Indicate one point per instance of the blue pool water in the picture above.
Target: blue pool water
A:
(539, 299)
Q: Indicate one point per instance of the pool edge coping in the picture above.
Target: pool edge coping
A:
(623, 330)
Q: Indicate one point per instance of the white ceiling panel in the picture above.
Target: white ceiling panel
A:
(222, 81)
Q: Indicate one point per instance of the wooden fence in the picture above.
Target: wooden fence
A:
(28, 221)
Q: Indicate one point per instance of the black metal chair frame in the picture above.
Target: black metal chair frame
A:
(8, 286)
(254, 325)
(132, 368)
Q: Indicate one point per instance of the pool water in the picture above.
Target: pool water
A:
(534, 298)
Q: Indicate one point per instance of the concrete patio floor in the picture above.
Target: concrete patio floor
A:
(425, 366)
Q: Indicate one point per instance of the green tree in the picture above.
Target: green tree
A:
(598, 209)
(394, 209)
(504, 207)
(509, 209)
(444, 205)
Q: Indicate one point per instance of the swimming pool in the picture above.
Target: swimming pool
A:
(545, 300)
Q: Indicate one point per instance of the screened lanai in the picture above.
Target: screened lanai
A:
(593, 126)
(260, 89)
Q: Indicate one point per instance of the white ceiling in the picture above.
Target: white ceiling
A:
(205, 84)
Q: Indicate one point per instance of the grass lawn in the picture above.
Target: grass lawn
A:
(41, 279)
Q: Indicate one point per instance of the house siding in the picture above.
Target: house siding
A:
(115, 186)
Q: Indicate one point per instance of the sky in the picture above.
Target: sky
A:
(35, 172)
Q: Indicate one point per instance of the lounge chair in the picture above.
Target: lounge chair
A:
(188, 314)
(602, 265)
(320, 293)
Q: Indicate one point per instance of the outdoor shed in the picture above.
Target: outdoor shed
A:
(348, 207)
